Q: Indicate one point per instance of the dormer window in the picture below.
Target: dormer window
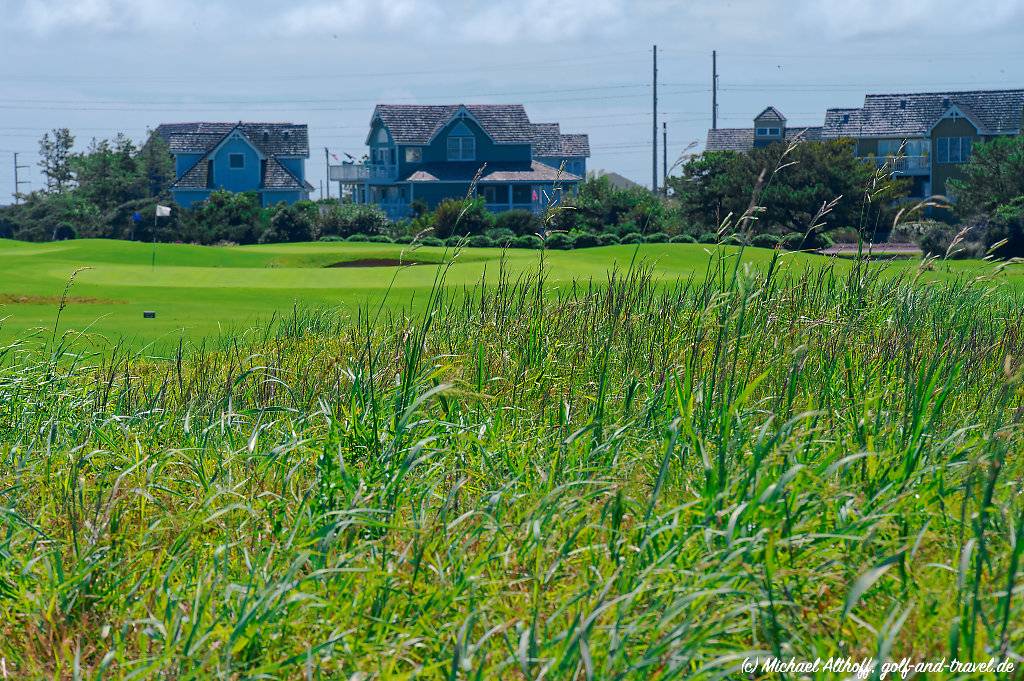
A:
(769, 132)
(846, 118)
(236, 161)
(266, 136)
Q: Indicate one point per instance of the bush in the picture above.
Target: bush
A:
(288, 224)
(331, 239)
(583, 239)
(453, 241)
(379, 239)
(682, 239)
(500, 235)
(458, 217)
(402, 239)
(526, 241)
(607, 239)
(936, 239)
(519, 222)
(764, 241)
(656, 238)
(432, 241)
(358, 237)
(708, 238)
(631, 238)
(348, 219)
(480, 241)
(559, 241)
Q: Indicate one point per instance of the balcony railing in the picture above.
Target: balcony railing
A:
(359, 172)
(904, 165)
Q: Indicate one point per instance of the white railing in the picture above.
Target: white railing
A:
(905, 165)
(382, 172)
(502, 206)
(348, 172)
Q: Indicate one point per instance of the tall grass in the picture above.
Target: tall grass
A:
(612, 480)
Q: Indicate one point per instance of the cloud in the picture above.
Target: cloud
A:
(540, 21)
(910, 18)
(106, 16)
(351, 16)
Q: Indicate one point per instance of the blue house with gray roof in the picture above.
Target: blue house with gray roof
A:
(926, 137)
(431, 153)
(266, 158)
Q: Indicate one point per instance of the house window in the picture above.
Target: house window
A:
(522, 194)
(953, 150)
(413, 155)
(768, 132)
(384, 155)
(236, 161)
(461, 148)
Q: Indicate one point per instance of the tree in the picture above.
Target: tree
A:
(993, 177)
(157, 165)
(55, 159)
(793, 184)
(225, 217)
(289, 224)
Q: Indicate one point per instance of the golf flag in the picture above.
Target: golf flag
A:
(163, 211)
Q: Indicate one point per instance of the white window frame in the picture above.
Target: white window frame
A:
(232, 157)
(461, 148)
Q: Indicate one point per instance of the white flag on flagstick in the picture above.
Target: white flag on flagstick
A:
(163, 211)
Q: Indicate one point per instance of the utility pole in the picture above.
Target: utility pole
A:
(664, 158)
(17, 182)
(327, 169)
(714, 89)
(654, 127)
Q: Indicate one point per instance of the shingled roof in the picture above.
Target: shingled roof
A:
(742, 139)
(549, 142)
(272, 139)
(994, 112)
(770, 114)
(533, 171)
(417, 124)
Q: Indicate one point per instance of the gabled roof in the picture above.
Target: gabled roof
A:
(533, 171)
(742, 139)
(549, 142)
(994, 112)
(770, 114)
(418, 124)
(271, 139)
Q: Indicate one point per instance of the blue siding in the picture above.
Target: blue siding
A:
(296, 165)
(242, 179)
(184, 162)
(187, 197)
(274, 198)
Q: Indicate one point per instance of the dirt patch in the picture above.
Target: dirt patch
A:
(17, 299)
(373, 262)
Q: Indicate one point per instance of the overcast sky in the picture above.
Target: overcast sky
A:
(103, 66)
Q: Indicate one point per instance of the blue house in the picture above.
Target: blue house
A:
(267, 158)
(432, 153)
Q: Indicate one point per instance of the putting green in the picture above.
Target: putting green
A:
(201, 291)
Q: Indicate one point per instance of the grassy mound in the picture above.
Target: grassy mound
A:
(611, 481)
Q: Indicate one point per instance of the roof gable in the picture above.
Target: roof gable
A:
(770, 114)
(420, 124)
(270, 139)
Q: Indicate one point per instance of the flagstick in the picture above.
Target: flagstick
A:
(153, 263)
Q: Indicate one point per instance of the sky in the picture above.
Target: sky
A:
(100, 67)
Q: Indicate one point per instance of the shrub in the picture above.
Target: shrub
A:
(559, 241)
(607, 239)
(457, 217)
(764, 241)
(526, 241)
(288, 224)
(519, 222)
(431, 241)
(331, 239)
(480, 241)
(453, 241)
(358, 237)
(583, 239)
(708, 238)
(656, 238)
(632, 238)
(379, 239)
(350, 218)
(682, 239)
(793, 242)
(402, 239)
(500, 235)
